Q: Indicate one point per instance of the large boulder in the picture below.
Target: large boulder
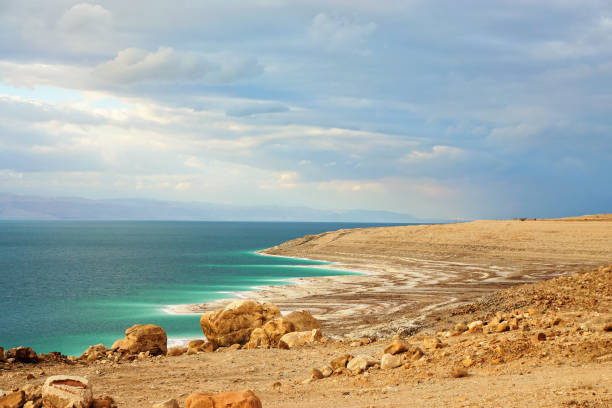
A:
(61, 391)
(259, 339)
(302, 321)
(277, 328)
(294, 339)
(234, 323)
(141, 338)
(23, 355)
(232, 399)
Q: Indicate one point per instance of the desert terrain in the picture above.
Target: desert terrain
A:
(480, 314)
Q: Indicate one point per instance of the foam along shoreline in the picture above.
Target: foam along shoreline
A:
(252, 292)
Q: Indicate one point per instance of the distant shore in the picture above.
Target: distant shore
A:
(407, 272)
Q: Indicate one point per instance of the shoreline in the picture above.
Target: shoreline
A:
(196, 308)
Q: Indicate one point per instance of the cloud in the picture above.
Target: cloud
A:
(256, 108)
(339, 33)
(436, 153)
(135, 65)
(377, 104)
(86, 22)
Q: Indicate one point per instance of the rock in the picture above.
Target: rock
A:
(461, 327)
(360, 363)
(2, 355)
(302, 321)
(340, 361)
(607, 327)
(171, 403)
(33, 404)
(397, 346)
(22, 355)
(61, 391)
(475, 326)
(32, 392)
(142, 338)
(502, 327)
(540, 337)
(13, 400)
(234, 323)
(233, 347)
(101, 403)
(327, 371)
(94, 352)
(355, 344)
(259, 339)
(390, 361)
(232, 399)
(432, 343)
(277, 328)
(291, 340)
(458, 372)
(316, 374)
(364, 341)
(176, 351)
(467, 362)
(200, 346)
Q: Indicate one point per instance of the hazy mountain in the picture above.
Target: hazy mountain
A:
(73, 208)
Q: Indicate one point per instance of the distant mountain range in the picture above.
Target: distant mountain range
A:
(22, 207)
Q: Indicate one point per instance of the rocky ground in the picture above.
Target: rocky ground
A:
(546, 344)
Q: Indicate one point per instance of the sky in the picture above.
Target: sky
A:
(471, 109)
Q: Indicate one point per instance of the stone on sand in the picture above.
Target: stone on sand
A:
(171, 403)
(141, 338)
(235, 323)
(294, 339)
(360, 363)
(390, 361)
(22, 355)
(61, 391)
(231, 399)
(340, 361)
(396, 347)
(176, 351)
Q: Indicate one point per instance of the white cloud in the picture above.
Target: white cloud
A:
(86, 20)
(339, 33)
(436, 152)
(135, 65)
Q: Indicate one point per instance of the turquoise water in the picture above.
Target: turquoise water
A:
(65, 285)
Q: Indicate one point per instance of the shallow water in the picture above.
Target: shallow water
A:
(65, 285)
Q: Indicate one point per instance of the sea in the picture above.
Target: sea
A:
(65, 285)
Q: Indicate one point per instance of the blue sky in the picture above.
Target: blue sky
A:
(439, 109)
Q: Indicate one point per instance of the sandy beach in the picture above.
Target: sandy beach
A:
(408, 272)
